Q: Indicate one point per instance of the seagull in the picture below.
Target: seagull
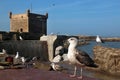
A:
(23, 60)
(57, 59)
(77, 57)
(55, 67)
(53, 4)
(59, 50)
(20, 37)
(17, 55)
(3, 51)
(34, 58)
(98, 39)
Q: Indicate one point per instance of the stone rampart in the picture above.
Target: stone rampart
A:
(26, 48)
(108, 59)
(15, 36)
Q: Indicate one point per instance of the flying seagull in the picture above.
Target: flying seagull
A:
(77, 57)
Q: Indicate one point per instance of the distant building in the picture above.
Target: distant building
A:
(28, 22)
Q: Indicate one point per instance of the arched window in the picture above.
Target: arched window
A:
(21, 30)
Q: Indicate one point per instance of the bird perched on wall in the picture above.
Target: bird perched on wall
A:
(3, 51)
(17, 55)
(23, 60)
(98, 39)
(34, 58)
(20, 37)
(77, 57)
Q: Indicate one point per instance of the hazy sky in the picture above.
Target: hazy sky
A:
(73, 17)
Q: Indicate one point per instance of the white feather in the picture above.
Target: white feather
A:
(98, 39)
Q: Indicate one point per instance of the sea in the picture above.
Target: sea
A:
(89, 49)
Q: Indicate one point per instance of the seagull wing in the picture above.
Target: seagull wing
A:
(101, 40)
(84, 58)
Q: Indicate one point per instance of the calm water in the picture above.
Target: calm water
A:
(89, 49)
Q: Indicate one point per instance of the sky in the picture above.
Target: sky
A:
(68, 17)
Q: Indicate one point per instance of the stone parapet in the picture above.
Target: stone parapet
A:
(53, 41)
(108, 59)
(26, 48)
(50, 41)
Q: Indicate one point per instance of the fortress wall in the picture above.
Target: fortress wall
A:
(27, 48)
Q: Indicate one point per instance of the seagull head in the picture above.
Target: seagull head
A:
(73, 41)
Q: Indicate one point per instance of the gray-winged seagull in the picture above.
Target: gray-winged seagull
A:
(78, 57)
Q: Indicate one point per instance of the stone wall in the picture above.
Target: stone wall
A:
(19, 21)
(108, 59)
(15, 36)
(53, 41)
(26, 48)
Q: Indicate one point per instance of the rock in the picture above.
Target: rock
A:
(108, 59)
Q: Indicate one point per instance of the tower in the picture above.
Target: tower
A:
(28, 22)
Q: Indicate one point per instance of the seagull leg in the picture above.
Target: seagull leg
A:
(74, 72)
(81, 74)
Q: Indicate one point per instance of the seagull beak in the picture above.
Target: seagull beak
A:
(68, 40)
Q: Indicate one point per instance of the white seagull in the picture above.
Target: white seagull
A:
(23, 60)
(17, 55)
(98, 39)
(20, 37)
(77, 57)
(3, 51)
